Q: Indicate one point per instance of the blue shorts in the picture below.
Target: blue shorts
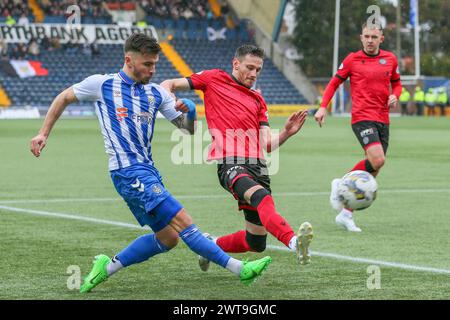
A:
(142, 189)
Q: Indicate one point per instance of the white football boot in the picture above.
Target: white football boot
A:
(204, 263)
(345, 220)
(334, 199)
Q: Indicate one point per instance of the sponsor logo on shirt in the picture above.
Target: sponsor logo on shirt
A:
(117, 93)
(121, 113)
(144, 117)
(156, 189)
(341, 66)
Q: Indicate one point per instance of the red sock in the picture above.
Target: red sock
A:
(360, 166)
(273, 222)
(234, 242)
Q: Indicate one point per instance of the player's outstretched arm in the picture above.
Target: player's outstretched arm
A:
(54, 112)
(293, 125)
(173, 85)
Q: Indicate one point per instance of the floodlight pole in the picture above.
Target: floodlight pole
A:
(336, 47)
(416, 40)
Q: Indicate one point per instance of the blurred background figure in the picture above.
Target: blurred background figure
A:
(442, 100)
(430, 101)
(419, 99)
(404, 101)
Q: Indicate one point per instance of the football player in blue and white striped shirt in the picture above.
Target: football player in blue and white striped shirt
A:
(126, 104)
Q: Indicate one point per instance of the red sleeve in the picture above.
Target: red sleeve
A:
(344, 71)
(395, 79)
(330, 90)
(200, 80)
(263, 115)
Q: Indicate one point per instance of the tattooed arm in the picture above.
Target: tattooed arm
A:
(182, 122)
(188, 118)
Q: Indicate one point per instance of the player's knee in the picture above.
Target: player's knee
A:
(377, 162)
(256, 242)
(242, 185)
(171, 242)
(258, 196)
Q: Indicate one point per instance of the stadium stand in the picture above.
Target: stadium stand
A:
(192, 33)
(17, 10)
(204, 54)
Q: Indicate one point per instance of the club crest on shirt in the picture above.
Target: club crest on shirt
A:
(151, 101)
(382, 61)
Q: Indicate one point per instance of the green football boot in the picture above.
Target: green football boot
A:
(97, 275)
(252, 270)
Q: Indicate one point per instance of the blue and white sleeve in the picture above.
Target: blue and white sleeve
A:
(89, 89)
(167, 107)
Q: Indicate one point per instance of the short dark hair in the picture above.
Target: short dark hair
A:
(250, 49)
(144, 44)
(376, 25)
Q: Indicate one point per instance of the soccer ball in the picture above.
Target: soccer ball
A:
(357, 190)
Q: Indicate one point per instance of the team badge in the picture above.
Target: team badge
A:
(382, 61)
(156, 189)
(151, 100)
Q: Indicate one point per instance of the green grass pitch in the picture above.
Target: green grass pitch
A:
(408, 224)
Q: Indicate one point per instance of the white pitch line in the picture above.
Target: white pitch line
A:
(216, 196)
(273, 247)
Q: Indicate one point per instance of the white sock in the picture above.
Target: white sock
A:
(113, 266)
(234, 266)
(347, 213)
(293, 243)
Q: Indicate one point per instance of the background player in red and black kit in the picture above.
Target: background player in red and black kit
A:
(373, 72)
(238, 123)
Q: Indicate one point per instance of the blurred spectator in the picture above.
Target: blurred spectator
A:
(10, 21)
(54, 44)
(19, 52)
(33, 48)
(86, 49)
(3, 49)
(71, 46)
(95, 50)
(45, 43)
(23, 20)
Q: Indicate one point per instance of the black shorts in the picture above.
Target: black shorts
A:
(372, 132)
(230, 171)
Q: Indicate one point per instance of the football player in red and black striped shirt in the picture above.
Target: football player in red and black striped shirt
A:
(237, 121)
(375, 88)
